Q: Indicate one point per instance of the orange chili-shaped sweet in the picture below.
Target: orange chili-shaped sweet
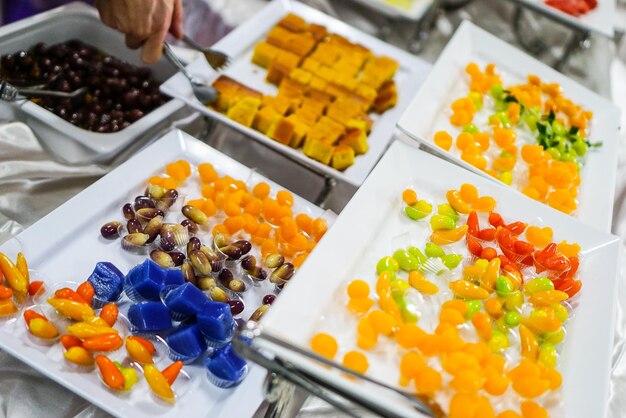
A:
(34, 287)
(547, 252)
(171, 372)
(78, 355)
(138, 352)
(105, 342)
(472, 224)
(29, 315)
(574, 263)
(571, 288)
(5, 292)
(111, 375)
(67, 293)
(474, 246)
(158, 383)
(109, 313)
(523, 247)
(146, 343)
(42, 328)
(86, 291)
(443, 237)
(516, 228)
(22, 266)
(71, 309)
(487, 234)
(14, 277)
(505, 238)
(68, 341)
(496, 220)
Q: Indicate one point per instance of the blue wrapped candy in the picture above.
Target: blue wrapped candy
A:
(145, 281)
(186, 343)
(149, 317)
(185, 301)
(174, 277)
(108, 283)
(225, 368)
(216, 323)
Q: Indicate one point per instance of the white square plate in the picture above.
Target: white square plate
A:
(414, 11)
(66, 245)
(240, 43)
(599, 20)
(315, 301)
(427, 113)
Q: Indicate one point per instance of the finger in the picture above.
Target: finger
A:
(134, 42)
(153, 47)
(105, 13)
(176, 28)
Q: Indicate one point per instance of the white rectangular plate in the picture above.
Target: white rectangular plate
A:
(599, 20)
(66, 245)
(348, 252)
(415, 10)
(240, 44)
(427, 112)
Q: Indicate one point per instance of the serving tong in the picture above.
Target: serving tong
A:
(246, 343)
(12, 93)
(204, 93)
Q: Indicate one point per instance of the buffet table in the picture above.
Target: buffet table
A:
(32, 183)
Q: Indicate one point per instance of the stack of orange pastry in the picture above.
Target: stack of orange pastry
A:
(327, 85)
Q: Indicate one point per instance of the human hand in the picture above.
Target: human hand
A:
(144, 22)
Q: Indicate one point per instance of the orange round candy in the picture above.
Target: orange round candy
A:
(411, 364)
(284, 198)
(232, 209)
(156, 180)
(169, 183)
(532, 153)
(509, 414)
(288, 228)
(358, 289)
(263, 230)
(269, 246)
(409, 197)
(469, 381)
(539, 237)
(209, 207)
(504, 137)
(207, 173)
(468, 193)
(320, 226)
(443, 140)
(562, 200)
(382, 322)
(254, 207)
(356, 361)
(409, 335)
(464, 139)
(234, 223)
(176, 171)
(261, 190)
(533, 410)
(428, 381)
(220, 229)
(485, 204)
(304, 222)
(324, 345)
(366, 335)
(299, 259)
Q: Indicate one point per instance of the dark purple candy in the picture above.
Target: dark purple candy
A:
(236, 306)
(269, 299)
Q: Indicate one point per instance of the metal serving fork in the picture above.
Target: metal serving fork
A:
(216, 59)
